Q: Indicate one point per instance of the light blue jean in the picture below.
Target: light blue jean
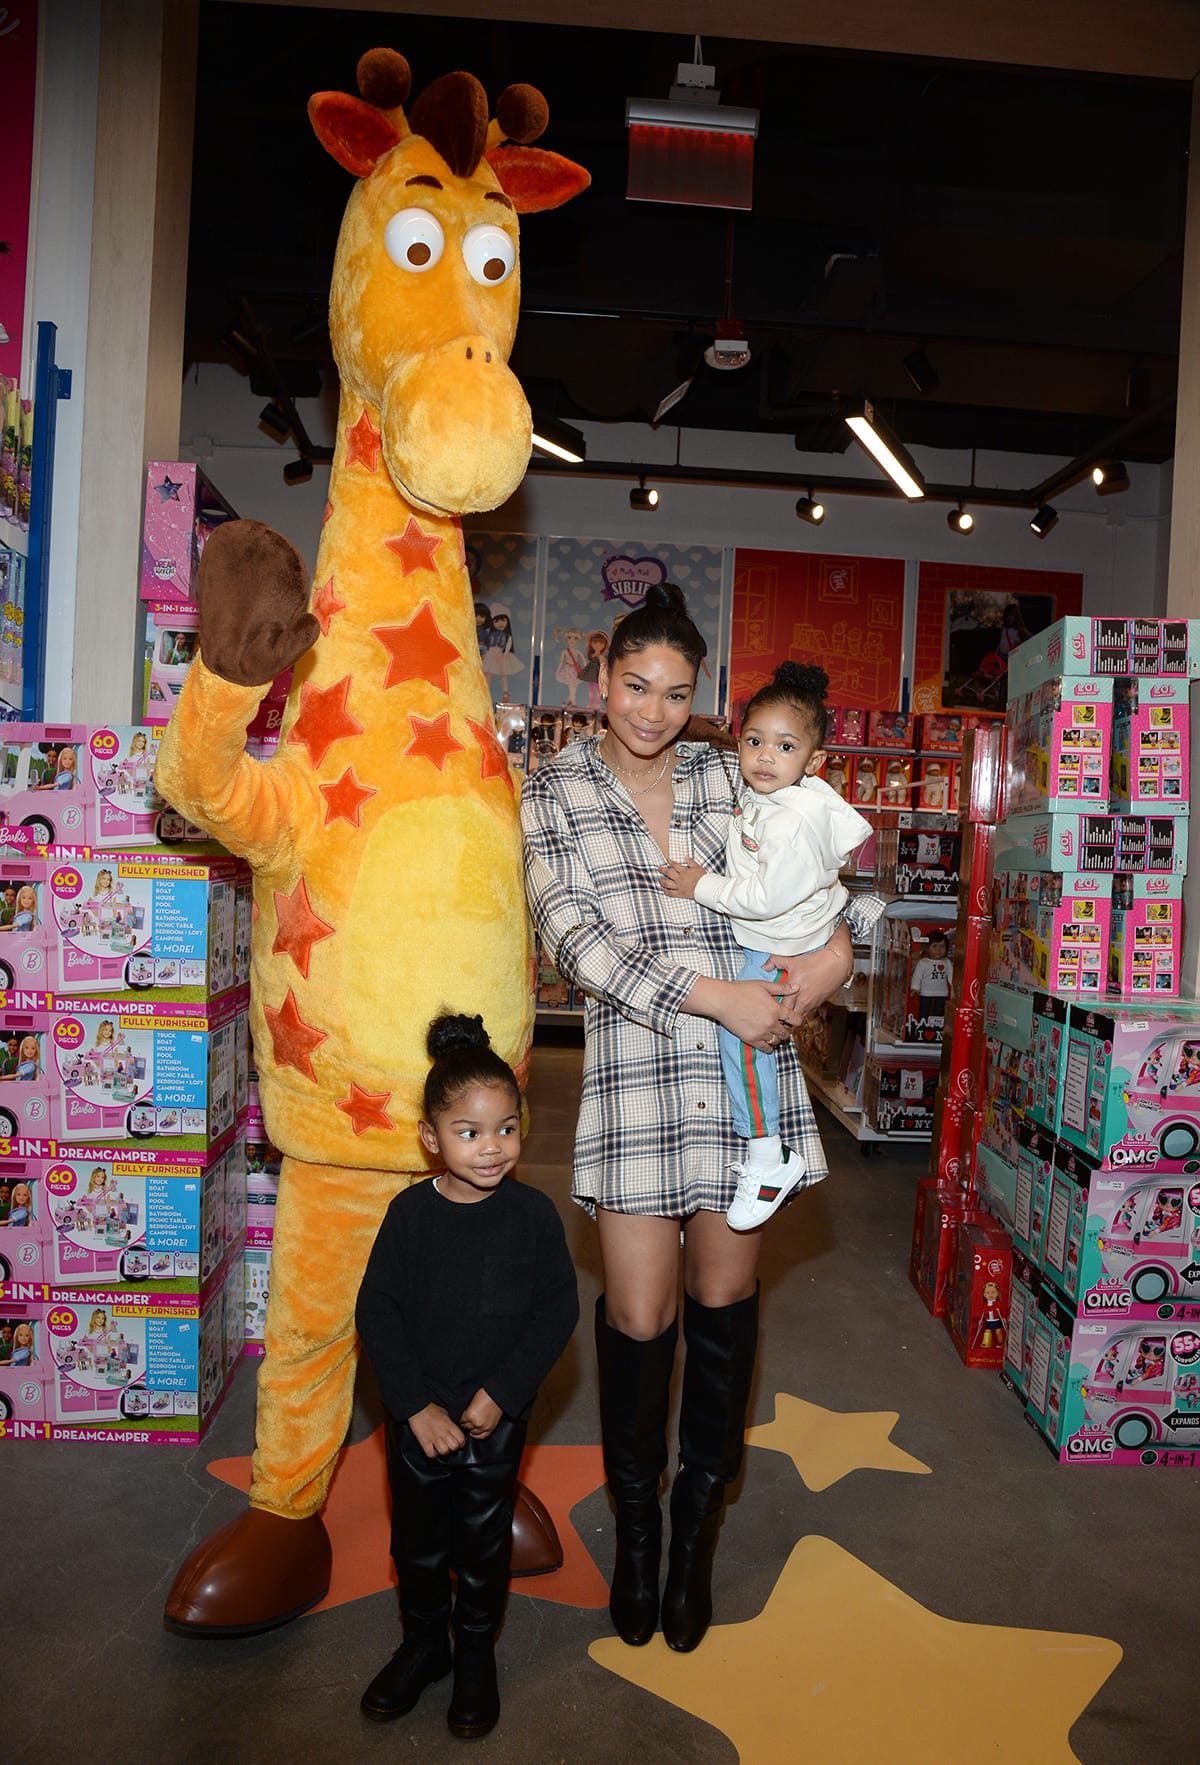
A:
(750, 1075)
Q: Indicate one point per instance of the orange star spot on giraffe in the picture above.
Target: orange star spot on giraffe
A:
(414, 547)
(299, 927)
(418, 651)
(323, 718)
(325, 605)
(295, 1041)
(344, 799)
(432, 740)
(494, 761)
(367, 1109)
(364, 444)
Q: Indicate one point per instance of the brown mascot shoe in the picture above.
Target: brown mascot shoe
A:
(250, 1575)
(535, 1546)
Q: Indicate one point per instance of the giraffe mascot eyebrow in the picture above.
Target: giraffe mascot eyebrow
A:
(383, 833)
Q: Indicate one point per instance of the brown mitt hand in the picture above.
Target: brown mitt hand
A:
(252, 587)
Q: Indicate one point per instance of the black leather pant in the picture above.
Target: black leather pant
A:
(453, 1513)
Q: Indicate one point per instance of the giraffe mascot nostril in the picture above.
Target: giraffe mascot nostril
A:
(383, 834)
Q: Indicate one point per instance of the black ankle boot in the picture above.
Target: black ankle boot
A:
(635, 1383)
(475, 1706)
(419, 1662)
(721, 1344)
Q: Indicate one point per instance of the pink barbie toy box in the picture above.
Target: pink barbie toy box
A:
(182, 509)
(258, 1288)
(24, 933)
(147, 923)
(1111, 646)
(114, 1366)
(1059, 744)
(1151, 747)
(1131, 1086)
(26, 1227)
(172, 634)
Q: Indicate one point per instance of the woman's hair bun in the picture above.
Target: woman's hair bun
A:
(802, 677)
(668, 596)
(452, 1031)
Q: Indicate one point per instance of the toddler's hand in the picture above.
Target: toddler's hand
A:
(679, 878)
(436, 1434)
(481, 1415)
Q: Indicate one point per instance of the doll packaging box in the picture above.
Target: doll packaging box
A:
(1131, 1086)
(1022, 1323)
(935, 785)
(898, 1094)
(103, 1368)
(257, 1262)
(1151, 752)
(977, 1308)
(124, 1216)
(182, 508)
(1146, 942)
(1034, 1182)
(994, 1184)
(1118, 1241)
(916, 983)
(161, 924)
(76, 784)
(124, 1069)
(172, 638)
(890, 729)
(941, 1210)
(1151, 844)
(1034, 1025)
(981, 773)
(847, 727)
(1051, 928)
(1110, 646)
(1117, 1390)
(1059, 745)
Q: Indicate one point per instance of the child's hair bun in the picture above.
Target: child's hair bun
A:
(802, 677)
(668, 596)
(452, 1031)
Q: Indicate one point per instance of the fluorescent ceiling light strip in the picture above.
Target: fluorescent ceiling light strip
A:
(875, 445)
(559, 452)
(680, 113)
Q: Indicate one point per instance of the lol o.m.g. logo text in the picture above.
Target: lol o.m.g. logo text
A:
(68, 1034)
(104, 745)
(62, 1321)
(61, 1180)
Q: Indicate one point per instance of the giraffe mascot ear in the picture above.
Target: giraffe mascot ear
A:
(382, 833)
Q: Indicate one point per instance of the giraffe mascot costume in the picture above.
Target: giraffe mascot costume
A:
(383, 833)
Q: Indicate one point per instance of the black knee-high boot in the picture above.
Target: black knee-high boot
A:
(635, 1383)
(481, 1499)
(718, 1370)
(421, 1540)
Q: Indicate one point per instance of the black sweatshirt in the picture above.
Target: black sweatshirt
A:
(463, 1295)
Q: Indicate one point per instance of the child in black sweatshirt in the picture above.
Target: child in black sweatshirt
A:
(468, 1300)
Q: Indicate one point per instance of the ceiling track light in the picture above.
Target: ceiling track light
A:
(298, 471)
(921, 370)
(559, 440)
(810, 509)
(869, 428)
(276, 421)
(1110, 477)
(640, 497)
(1043, 521)
(960, 520)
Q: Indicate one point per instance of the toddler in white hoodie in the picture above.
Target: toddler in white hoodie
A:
(788, 838)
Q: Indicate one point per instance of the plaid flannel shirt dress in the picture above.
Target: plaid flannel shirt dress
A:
(655, 1134)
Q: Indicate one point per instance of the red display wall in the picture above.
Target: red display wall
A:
(845, 613)
(969, 619)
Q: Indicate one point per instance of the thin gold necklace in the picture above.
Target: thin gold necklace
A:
(628, 773)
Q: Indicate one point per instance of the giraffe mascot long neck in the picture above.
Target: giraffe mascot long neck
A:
(383, 833)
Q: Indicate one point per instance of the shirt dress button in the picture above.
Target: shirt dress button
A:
(688, 930)
(700, 1047)
(700, 1106)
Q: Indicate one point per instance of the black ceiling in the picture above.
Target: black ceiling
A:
(1025, 227)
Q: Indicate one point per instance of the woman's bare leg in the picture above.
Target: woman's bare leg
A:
(640, 1253)
(720, 1266)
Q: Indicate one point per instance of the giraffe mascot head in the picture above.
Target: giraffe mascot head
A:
(382, 833)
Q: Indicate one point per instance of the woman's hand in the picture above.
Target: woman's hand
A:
(750, 1010)
(810, 979)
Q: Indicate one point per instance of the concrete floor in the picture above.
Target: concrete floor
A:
(998, 1535)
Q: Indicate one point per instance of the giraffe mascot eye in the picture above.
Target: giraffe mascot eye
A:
(414, 240)
(489, 255)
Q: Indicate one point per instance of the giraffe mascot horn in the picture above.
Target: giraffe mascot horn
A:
(383, 833)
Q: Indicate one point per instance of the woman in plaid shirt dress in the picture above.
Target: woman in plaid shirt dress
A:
(655, 1136)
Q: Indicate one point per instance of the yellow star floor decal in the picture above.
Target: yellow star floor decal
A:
(840, 1666)
(825, 1445)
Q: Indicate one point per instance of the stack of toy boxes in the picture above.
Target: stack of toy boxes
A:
(262, 1190)
(123, 1038)
(182, 509)
(1092, 1143)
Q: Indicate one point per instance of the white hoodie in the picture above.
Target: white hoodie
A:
(782, 857)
